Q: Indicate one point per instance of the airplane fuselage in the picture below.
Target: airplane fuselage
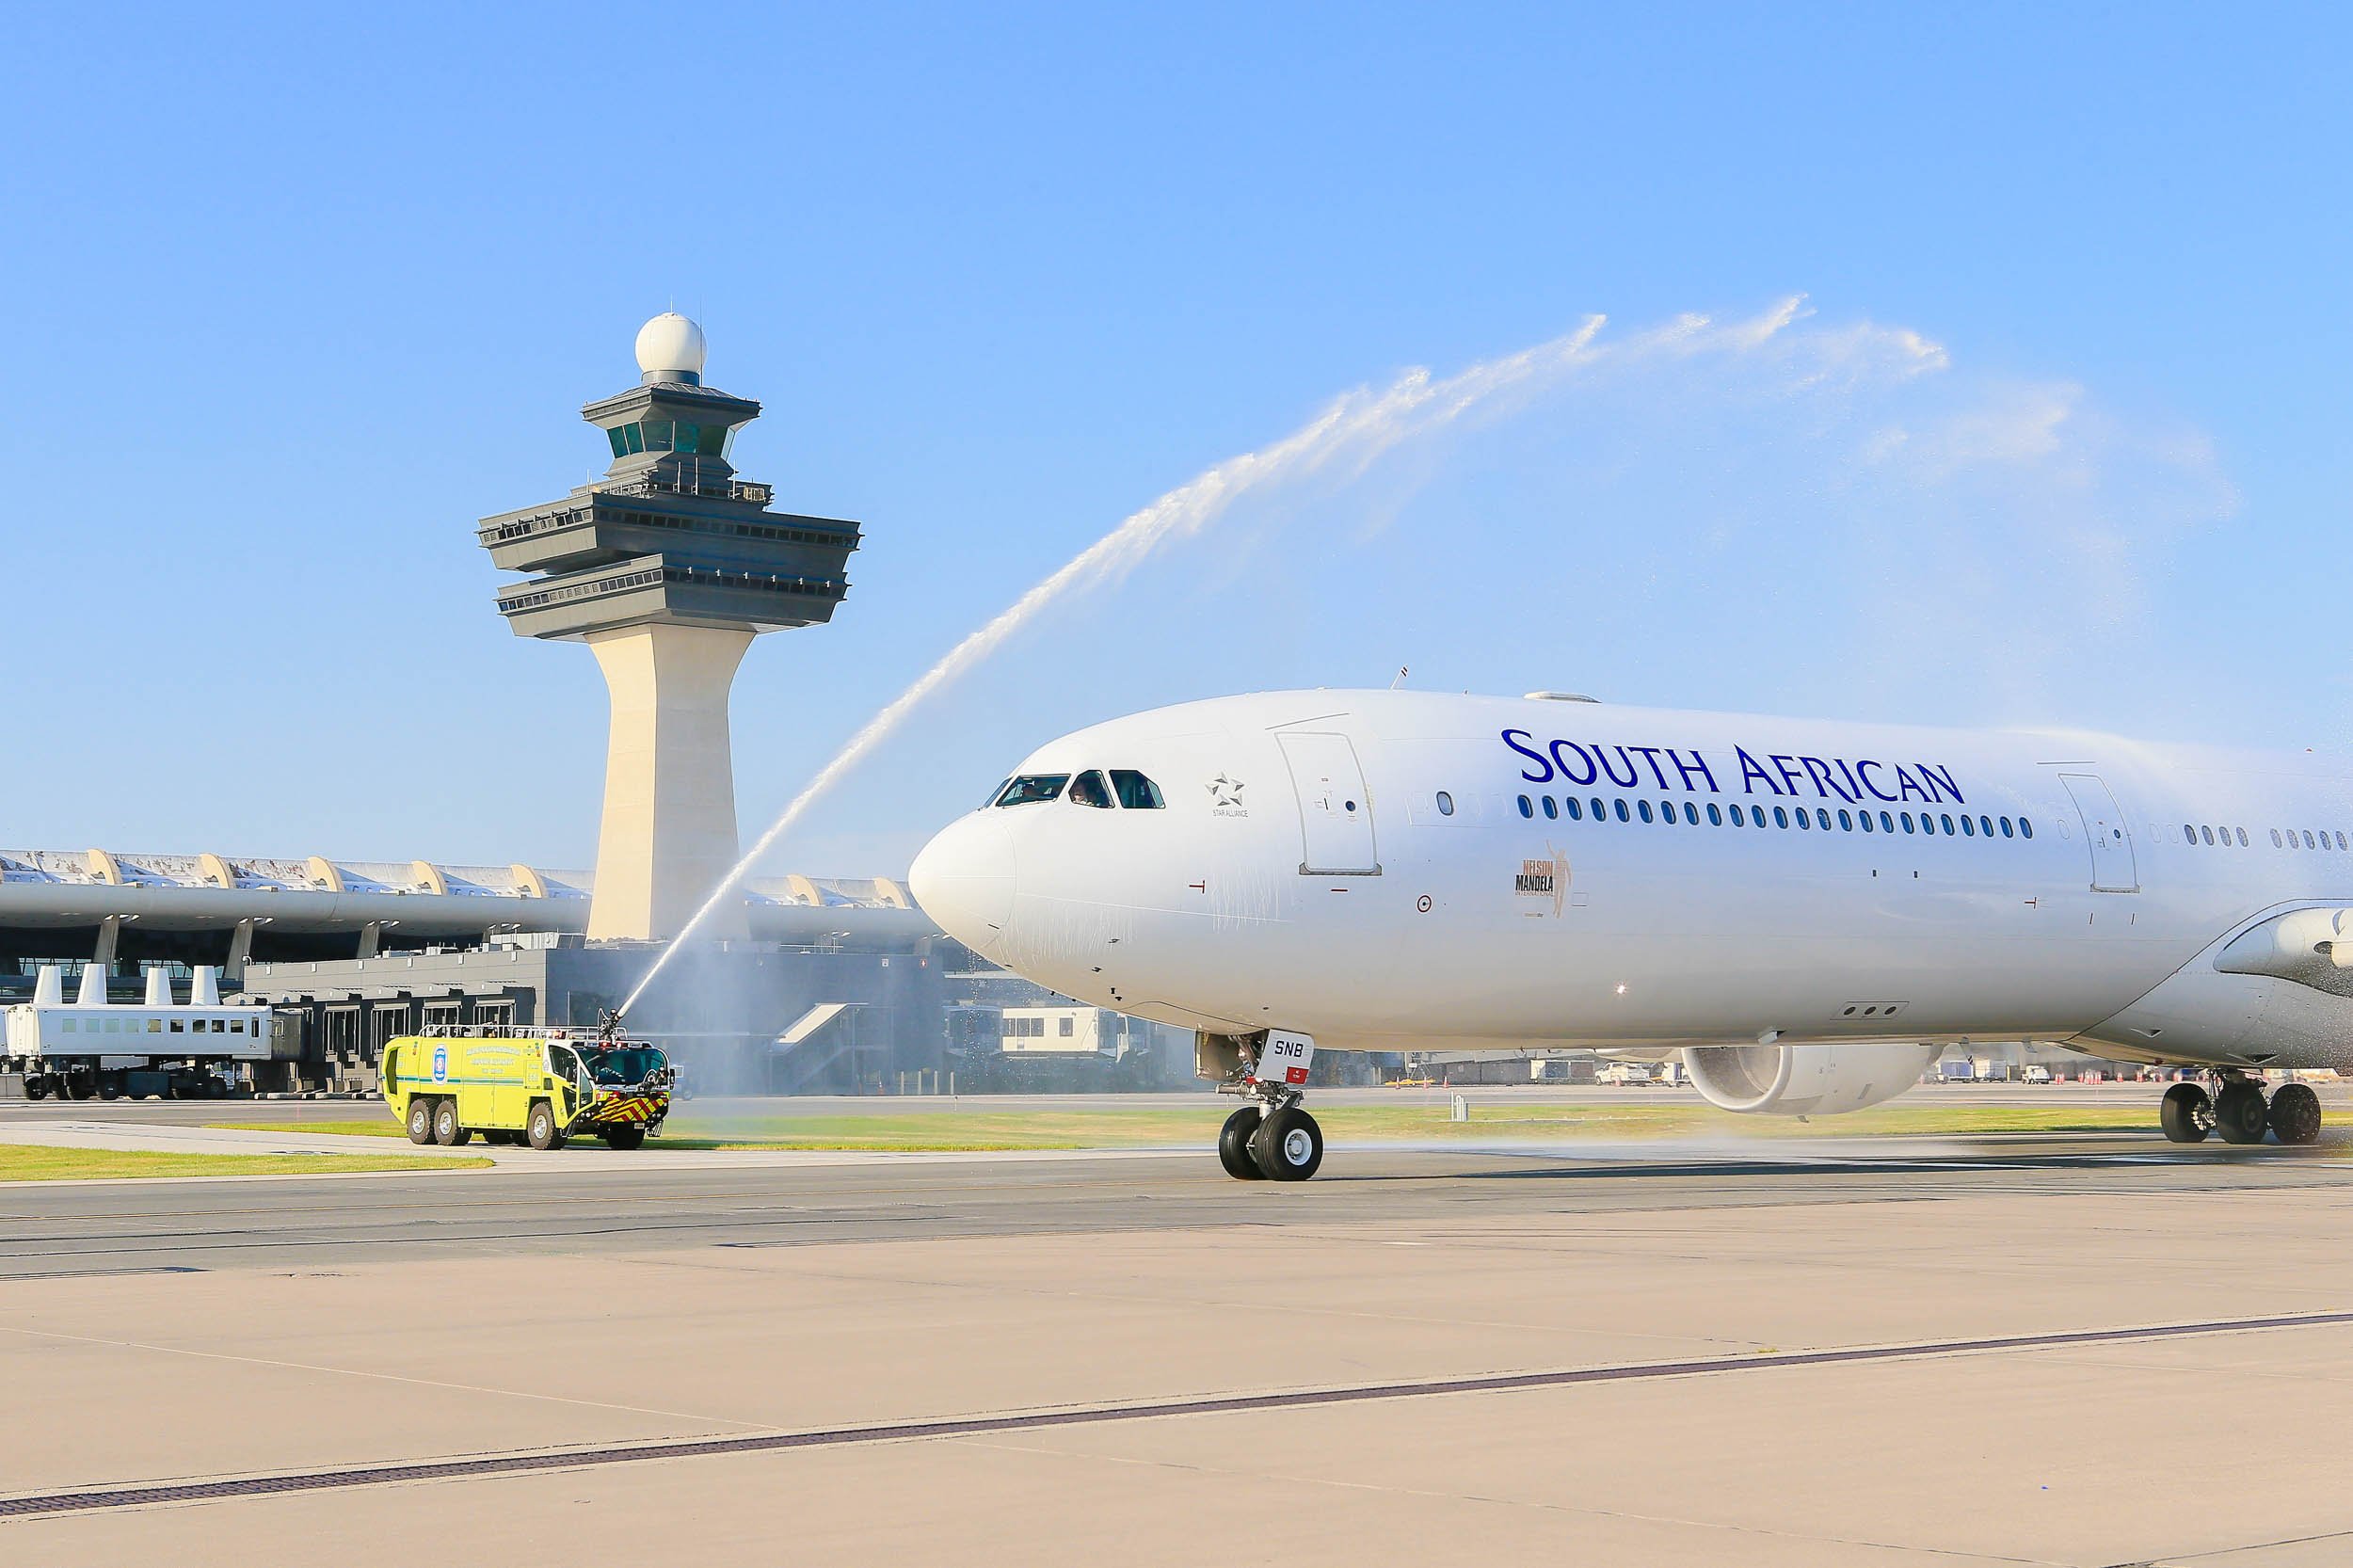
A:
(1402, 871)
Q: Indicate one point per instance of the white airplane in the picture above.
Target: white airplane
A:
(1809, 912)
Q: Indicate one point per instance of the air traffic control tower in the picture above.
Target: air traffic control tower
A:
(667, 568)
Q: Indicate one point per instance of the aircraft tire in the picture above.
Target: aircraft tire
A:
(2296, 1114)
(2183, 1113)
(2239, 1113)
(1288, 1146)
(1233, 1146)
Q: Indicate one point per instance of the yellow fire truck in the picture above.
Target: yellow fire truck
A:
(526, 1086)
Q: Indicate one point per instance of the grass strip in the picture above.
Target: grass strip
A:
(42, 1162)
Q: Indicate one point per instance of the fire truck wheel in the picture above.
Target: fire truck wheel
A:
(543, 1133)
(446, 1131)
(625, 1137)
(421, 1121)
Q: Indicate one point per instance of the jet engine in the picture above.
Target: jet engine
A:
(1805, 1081)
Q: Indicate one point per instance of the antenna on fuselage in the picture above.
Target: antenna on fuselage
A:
(1400, 677)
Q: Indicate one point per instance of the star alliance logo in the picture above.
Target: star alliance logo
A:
(1225, 798)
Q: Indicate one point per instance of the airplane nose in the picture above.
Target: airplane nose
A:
(963, 880)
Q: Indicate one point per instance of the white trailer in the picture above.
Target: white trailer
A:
(162, 1047)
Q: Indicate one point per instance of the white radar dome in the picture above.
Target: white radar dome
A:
(668, 344)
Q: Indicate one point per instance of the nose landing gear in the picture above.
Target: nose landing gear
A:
(1271, 1139)
(2239, 1111)
(1271, 1142)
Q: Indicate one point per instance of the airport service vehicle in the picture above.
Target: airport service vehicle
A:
(173, 1050)
(520, 1085)
(1804, 913)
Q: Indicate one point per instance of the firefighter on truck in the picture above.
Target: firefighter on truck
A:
(537, 1089)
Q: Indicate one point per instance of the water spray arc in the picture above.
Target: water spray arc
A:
(1349, 434)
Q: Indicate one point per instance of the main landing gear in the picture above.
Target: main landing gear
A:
(2238, 1111)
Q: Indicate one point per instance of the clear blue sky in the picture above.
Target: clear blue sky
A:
(297, 295)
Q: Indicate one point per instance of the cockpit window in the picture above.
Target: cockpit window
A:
(995, 795)
(1136, 793)
(1087, 790)
(1030, 788)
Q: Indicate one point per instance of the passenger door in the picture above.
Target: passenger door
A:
(1335, 811)
(2113, 869)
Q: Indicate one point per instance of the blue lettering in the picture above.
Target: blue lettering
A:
(1536, 758)
(1854, 789)
(1561, 762)
(1781, 765)
(1751, 773)
(1934, 775)
(1910, 786)
(1631, 778)
(1863, 770)
(1649, 755)
(1824, 784)
(1697, 764)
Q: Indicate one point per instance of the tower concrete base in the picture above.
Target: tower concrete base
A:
(668, 834)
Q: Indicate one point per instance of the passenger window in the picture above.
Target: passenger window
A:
(2307, 838)
(1576, 813)
(1947, 819)
(1907, 821)
(1968, 829)
(2189, 834)
(2006, 833)
(1601, 809)
(1715, 815)
(1526, 809)
(1088, 788)
(2025, 827)
(1621, 812)
(1135, 792)
(1985, 825)
(1928, 823)
(1821, 818)
(1552, 808)
(1033, 788)
(1845, 823)
(1781, 817)
(1804, 819)
(2275, 838)
(1865, 818)
(1690, 814)
(1643, 806)
(2339, 840)
(1445, 804)
(2242, 837)
(2209, 837)
(1736, 821)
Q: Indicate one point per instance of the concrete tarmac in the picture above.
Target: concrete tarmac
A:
(2090, 1350)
